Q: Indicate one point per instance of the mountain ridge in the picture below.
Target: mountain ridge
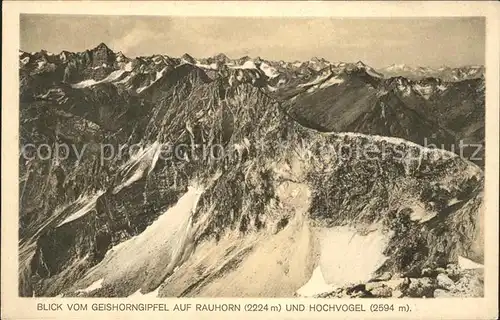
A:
(419, 72)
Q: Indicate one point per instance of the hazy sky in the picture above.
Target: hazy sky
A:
(376, 41)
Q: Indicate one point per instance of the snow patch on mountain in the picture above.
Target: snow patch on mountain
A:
(465, 263)
(441, 87)
(41, 64)
(128, 66)
(316, 285)
(112, 76)
(473, 169)
(404, 89)
(94, 286)
(84, 84)
(269, 71)
(212, 66)
(425, 91)
(141, 89)
(247, 65)
(140, 164)
(86, 204)
(341, 252)
(158, 249)
(124, 80)
(321, 82)
(315, 81)
(159, 75)
(330, 82)
(373, 73)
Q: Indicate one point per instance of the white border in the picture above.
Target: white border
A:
(14, 307)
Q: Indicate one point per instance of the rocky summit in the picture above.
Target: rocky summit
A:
(245, 177)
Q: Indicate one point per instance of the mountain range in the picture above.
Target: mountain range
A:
(326, 96)
(271, 221)
(445, 73)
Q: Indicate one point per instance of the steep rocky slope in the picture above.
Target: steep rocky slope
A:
(227, 184)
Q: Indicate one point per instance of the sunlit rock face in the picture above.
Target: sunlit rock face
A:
(293, 179)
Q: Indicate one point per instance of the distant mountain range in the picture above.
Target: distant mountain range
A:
(442, 106)
(444, 73)
(43, 60)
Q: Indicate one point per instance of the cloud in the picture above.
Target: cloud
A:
(425, 41)
(130, 42)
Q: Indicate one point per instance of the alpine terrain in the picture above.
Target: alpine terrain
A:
(243, 177)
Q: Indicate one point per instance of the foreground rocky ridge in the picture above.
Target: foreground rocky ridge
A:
(256, 220)
(448, 282)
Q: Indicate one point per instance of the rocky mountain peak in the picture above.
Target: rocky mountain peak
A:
(320, 60)
(102, 46)
(187, 57)
(360, 64)
(222, 57)
(102, 56)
